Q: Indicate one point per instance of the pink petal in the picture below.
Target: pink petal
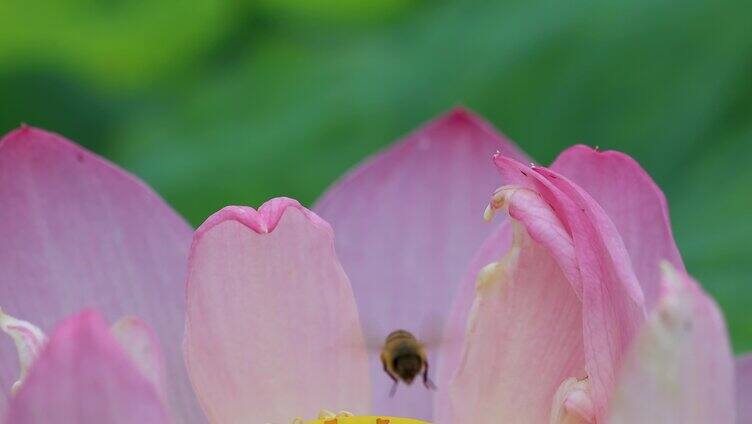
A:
(744, 389)
(525, 328)
(612, 302)
(140, 342)
(633, 202)
(83, 376)
(408, 222)
(78, 232)
(272, 328)
(455, 329)
(680, 369)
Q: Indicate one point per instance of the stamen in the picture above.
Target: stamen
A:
(344, 417)
(673, 315)
(572, 403)
(324, 414)
(498, 201)
(488, 274)
(29, 340)
(492, 277)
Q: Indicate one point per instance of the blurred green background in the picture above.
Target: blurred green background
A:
(217, 102)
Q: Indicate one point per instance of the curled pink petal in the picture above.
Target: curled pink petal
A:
(680, 369)
(744, 389)
(78, 232)
(524, 331)
(612, 301)
(634, 203)
(83, 376)
(140, 343)
(272, 329)
(407, 224)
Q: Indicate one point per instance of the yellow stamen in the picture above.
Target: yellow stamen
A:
(371, 419)
(29, 340)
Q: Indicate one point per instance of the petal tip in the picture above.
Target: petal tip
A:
(582, 152)
(585, 149)
(262, 221)
(460, 114)
(272, 211)
(86, 321)
(473, 129)
(25, 132)
(243, 214)
(459, 118)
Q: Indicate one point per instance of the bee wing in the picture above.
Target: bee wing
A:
(374, 342)
(431, 333)
(373, 336)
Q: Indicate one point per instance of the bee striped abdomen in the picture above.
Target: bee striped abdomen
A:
(399, 335)
(404, 357)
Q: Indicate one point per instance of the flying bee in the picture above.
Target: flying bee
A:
(404, 357)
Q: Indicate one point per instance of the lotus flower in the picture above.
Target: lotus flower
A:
(575, 308)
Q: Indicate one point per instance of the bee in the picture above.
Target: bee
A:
(404, 357)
